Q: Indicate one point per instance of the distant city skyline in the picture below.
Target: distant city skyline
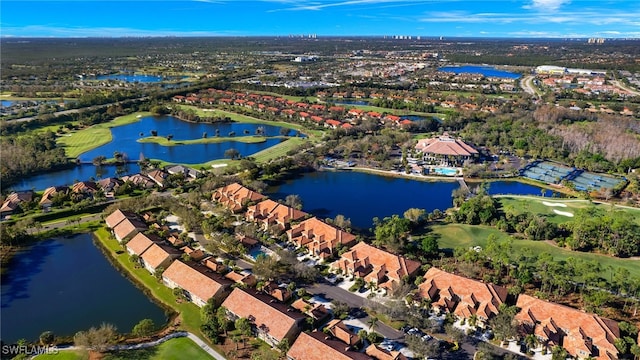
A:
(425, 18)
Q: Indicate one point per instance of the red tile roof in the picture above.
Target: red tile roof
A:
(270, 212)
(158, 255)
(139, 243)
(579, 333)
(273, 318)
(195, 279)
(339, 330)
(318, 346)
(445, 145)
(374, 264)
(118, 216)
(380, 354)
(320, 238)
(462, 296)
(128, 227)
(235, 196)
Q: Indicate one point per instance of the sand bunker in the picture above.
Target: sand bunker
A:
(553, 204)
(563, 213)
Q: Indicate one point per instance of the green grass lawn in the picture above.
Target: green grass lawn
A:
(178, 348)
(64, 355)
(462, 235)
(535, 204)
(278, 150)
(189, 312)
(78, 142)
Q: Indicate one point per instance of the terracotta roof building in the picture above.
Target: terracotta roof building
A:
(198, 283)
(318, 346)
(320, 238)
(581, 334)
(272, 321)
(240, 278)
(462, 296)
(118, 216)
(315, 311)
(380, 354)
(139, 244)
(340, 331)
(159, 255)
(446, 149)
(235, 196)
(128, 228)
(269, 212)
(46, 201)
(373, 264)
(12, 202)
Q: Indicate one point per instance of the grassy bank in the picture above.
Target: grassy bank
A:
(160, 140)
(189, 313)
(177, 348)
(461, 235)
(78, 142)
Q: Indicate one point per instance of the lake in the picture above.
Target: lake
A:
(72, 175)
(362, 196)
(132, 78)
(483, 70)
(124, 140)
(66, 285)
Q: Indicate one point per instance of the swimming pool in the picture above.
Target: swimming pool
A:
(445, 171)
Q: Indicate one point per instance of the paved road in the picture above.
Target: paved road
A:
(624, 87)
(528, 86)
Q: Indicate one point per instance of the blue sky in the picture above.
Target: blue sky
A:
(502, 18)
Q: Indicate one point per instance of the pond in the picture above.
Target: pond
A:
(420, 118)
(363, 196)
(352, 102)
(72, 175)
(125, 140)
(66, 285)
(483, 70)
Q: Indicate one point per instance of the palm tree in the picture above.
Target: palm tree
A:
(473, 320)
(531, 341)
(372, 322)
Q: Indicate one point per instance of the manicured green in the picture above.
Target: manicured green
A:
(178, 348)
(189, 312)
(278, 150)
(64, 355)
(78, 142)
(463, 235)
(534, 204)
(209, 140)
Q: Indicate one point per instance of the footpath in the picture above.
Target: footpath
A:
(214, 354)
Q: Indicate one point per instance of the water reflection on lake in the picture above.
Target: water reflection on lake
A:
(66, 285)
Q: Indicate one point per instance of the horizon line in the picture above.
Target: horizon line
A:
(316, 36)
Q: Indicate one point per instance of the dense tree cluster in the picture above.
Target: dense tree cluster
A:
(25, 155)
(614, 232)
